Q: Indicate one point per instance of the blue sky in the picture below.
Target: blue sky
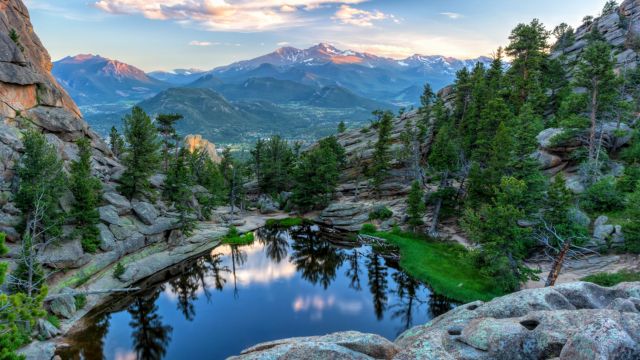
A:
(168, 34)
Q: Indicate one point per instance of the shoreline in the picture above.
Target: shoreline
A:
(140, 265)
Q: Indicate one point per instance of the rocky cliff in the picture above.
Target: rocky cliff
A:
(621, 29)
(577, 321)
(30, 98)
(355, 197)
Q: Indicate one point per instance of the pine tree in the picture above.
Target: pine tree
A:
(168, 135)
(528, 49)
(565, 37)
(177, 191)
(15, 37)
(233, 173)
(317, 173)
(28, 277)
(142, 156)
(595, 73)
(18, 314)
(379, 171)
(504, 244)
(116, 142)
(41, 183)
(342, 127)
(86, 190)
(609, 7)
(415, 205)
(631, 230)
(443, 159)
(274, 160)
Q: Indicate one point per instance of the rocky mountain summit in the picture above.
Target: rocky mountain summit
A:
(577, 321)
(93, 79)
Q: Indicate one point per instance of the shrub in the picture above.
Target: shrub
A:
(630, 180)
(368, 229)
(81, 301)
(603, 196)
(611, 279)
(233, 237)
(119, 270)
(53, 320)
(631, 230)
(380, 213)
(286, 223)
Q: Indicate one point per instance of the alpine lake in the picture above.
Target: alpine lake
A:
(302, 281)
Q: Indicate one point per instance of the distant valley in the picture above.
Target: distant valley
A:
(299, 93)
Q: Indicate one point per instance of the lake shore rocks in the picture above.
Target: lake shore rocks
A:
(576, 321)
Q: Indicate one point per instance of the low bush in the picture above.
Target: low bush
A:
(286, 223)
(630, 180)
(54, 320)
(611, 279)
(368, 229)
(81, 301)
(119, 270)
(603, 196)
(233, 237)
(380, 213)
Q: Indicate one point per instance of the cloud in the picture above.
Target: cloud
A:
(288, 8)
(220, 15)
(452, 15)
(352, 16)
(200, 43)
(283, 43)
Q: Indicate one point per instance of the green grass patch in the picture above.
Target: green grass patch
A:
(80, 300)
(287, 223)
(611, 279)
(445, 266)
(53, 320)
(233, 237)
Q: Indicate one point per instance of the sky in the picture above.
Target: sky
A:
(203, 34)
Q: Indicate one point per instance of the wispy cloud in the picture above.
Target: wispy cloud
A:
(358, 17)
(200, 43)
(452, 15)
(221, 15)
(283, 43)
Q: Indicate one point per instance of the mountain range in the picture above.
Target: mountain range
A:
(319, 86)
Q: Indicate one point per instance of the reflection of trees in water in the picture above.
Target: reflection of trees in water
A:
(150, 336)
(407, 291)
(315, 258)
(353, 273)
(238, 258)
(187, 284)
(439, 304)
(89, 342)
(276, 243)
(377, 271)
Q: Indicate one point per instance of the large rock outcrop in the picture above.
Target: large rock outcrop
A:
(197, 142)
(577, 321)
(30, 98)
(621, 29)
(355, 197)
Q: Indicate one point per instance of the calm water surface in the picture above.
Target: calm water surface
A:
(299, 282)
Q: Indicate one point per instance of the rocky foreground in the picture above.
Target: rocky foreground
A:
(570, 321)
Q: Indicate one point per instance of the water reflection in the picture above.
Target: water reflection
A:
(150, 336)
(290, 283)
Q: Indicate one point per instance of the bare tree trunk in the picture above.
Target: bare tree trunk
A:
(557, 265)
(433, 231)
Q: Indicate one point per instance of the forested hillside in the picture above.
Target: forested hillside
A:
(537, 157)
